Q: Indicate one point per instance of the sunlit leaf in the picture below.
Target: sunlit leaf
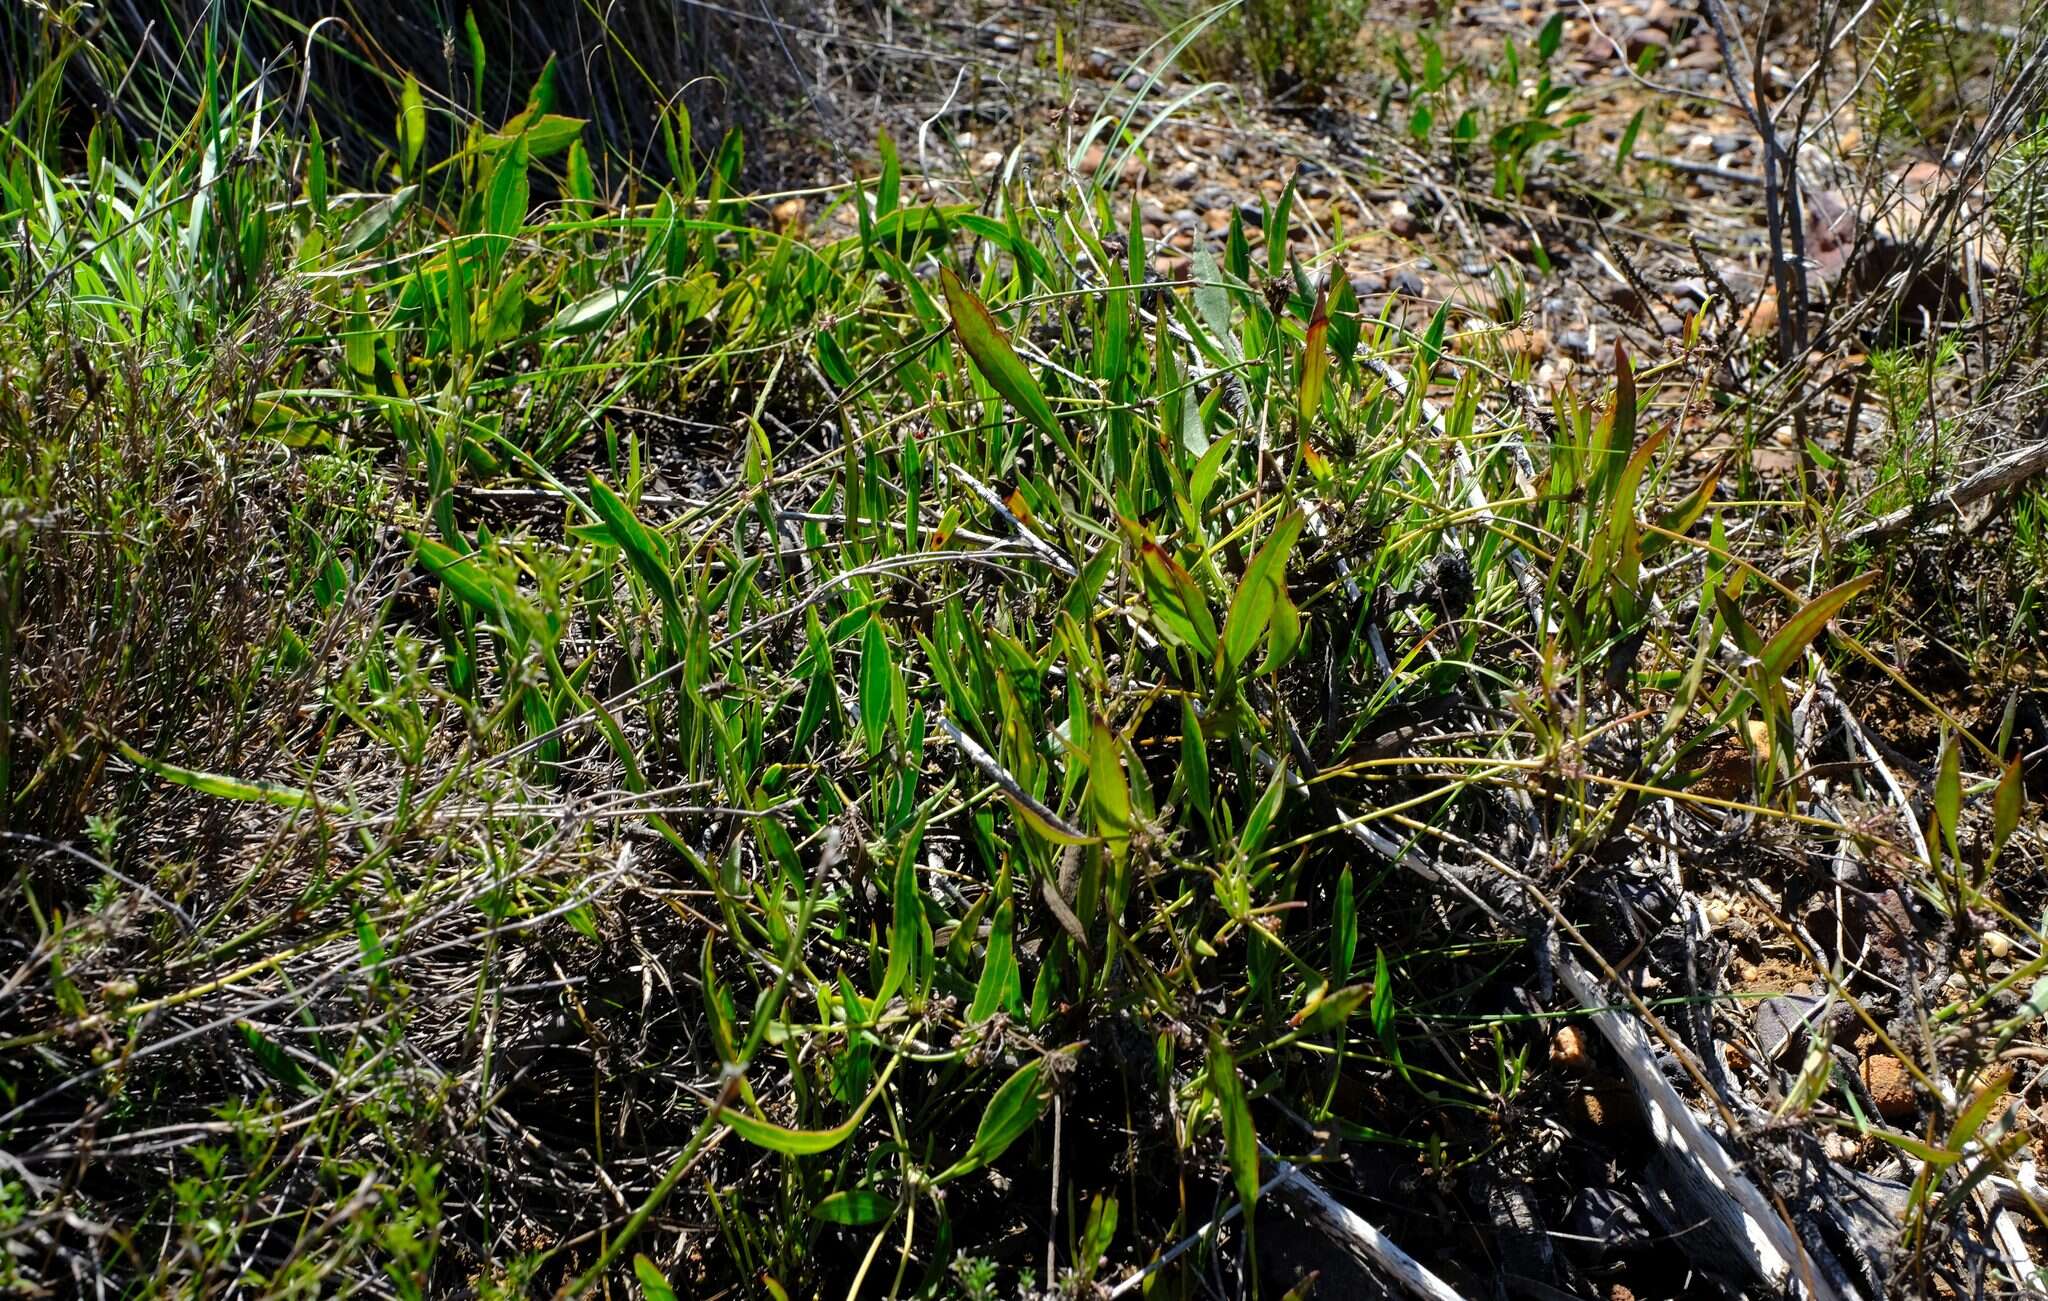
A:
(854, 1207)
(412, 124)
(654, 1285)
(1315, 358)
(802, 1142)
(1261, 591)
(1791, 641)
(1009, 1116)
(1109, 794)
(998, 362)
(1240, 1139)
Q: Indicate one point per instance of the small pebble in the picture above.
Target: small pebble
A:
(1646, 39)
(1520, 342)
(1891, 1088)
(1717, 914)
(1570, 1049)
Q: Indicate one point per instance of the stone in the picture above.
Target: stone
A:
(1531, 343)
(1644, 39)
(1784, 1023)
(1571, 1049)
(1729, 142)
(1891, 1087)
(1762, 319)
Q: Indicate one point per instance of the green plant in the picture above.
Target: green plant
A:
(1299, 51)
(625, 749)
(1522, 120)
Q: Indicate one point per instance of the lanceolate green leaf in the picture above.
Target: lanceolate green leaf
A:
(877, 685)
(1680, 518)
(906, 922)
(1240, 1139)
(644, 548)
(854, 1206)
(479, 587)
(803, 1142)
(1178, 606)
(1624, 534)
(2007, 805)
(654, 1285)
(1260, 819)
(1009, 1116)
(208, 783)
(1948, 790)
(1315, 358)
(412, 124)
(1001, 988)
(1262, 589)
(1109, 792)
(505, 200)
(1790, 641)
(993, 356)
(1213, 302)
(590, 311)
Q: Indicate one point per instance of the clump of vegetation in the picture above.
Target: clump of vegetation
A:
(1300, 49)
(555, 744)
(1297, 51)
